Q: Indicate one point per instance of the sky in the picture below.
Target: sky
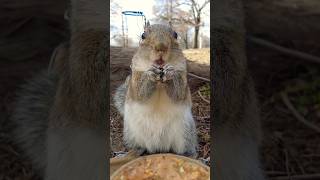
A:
(135, 23)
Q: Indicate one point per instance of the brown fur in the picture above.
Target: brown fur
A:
(59, 58)
(158, 36)
(154, 94)
(62, 113)
(77, 119)
(79, 96)
(86, 15)
(236, 122)
(179, 93)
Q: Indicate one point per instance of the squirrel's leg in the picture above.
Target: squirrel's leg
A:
(191, 142)
(177, 89)
(141, 85)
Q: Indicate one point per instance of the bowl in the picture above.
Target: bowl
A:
(162, 167)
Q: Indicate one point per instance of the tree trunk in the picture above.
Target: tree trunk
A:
(196, 34)
(186, 40)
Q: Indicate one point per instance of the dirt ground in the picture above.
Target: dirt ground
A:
(30, 31)
(290, 149)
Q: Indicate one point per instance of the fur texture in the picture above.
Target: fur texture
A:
(152, 126)
(120, 96)
(60, 116)
(157, 112)
(86, 15)
(30, 117)
(75, 153)
(236, 121)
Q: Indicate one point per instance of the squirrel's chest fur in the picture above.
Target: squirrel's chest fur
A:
(157, 124)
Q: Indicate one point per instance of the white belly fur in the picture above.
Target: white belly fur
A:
(157, 125)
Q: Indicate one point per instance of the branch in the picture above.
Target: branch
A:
(194, 4)
(192, 8)
(284, 50)
(183, 3)
(204, 99)
(188, 21)
(199, 77)
(167, 18)
(296, 114)
(204, 5)
(298, 177)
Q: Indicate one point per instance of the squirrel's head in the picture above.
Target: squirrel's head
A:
(160, 40)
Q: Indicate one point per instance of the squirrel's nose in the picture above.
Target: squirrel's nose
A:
(160, 47)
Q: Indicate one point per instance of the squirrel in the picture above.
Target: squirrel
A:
(236, 117)
(59, 118)
(155, 99)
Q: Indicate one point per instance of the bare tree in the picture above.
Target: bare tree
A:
(172, 12)
(168, 10)
(196, 11)
(205, 41)
(118, 38)
(183, 31)
(115, 8)
(115, 11)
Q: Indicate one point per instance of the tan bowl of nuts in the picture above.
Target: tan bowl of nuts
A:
(162, 167)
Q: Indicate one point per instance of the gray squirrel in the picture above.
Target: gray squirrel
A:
(236, 120)
(155, 100)
(60, 115)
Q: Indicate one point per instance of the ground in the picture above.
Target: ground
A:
(289, 147)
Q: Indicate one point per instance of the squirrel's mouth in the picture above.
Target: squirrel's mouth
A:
(159, 62)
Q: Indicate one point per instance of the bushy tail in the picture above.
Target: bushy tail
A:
(35, 100)
(30, 117)
(120, 96)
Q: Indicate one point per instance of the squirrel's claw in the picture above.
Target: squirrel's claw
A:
(168, 72)
(154, 73)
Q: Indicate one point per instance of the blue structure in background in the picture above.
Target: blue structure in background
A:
(135, 13)
(130, 13)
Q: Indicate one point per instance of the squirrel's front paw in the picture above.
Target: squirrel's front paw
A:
(154, 73)
(168, 72)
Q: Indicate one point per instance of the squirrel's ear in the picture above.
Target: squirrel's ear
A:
(143, 36)
(175, 35)
(147, 26)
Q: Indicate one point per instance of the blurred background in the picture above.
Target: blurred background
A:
(190, 19)
(283, 57)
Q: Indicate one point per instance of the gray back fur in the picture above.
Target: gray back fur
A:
(30, 117)
(120, 96)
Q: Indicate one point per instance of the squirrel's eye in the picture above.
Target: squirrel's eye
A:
(143, 36)
(175, 35)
